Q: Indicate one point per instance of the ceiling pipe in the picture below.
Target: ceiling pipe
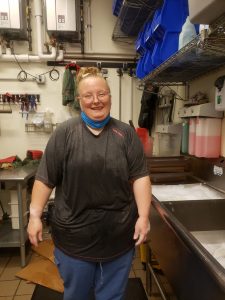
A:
(40, 57)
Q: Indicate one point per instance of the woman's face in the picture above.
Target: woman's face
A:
(95, 98)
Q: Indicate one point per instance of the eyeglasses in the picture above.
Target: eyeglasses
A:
(100, 96)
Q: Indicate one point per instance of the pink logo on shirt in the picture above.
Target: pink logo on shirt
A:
(118, 132)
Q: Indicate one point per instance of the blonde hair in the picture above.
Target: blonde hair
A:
(85, 72)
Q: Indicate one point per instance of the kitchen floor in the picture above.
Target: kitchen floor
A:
(13, 288)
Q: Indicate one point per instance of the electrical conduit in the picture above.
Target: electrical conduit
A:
(40, 55)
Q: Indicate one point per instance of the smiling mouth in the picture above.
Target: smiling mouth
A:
(97, 108)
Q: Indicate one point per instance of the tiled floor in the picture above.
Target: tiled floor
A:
(13, 288)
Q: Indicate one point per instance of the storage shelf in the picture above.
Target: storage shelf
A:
(29, 127)
(200, 56)
(10, 237)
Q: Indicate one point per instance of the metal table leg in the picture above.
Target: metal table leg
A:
(21, 225)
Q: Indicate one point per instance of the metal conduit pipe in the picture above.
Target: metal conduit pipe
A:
(82, 26)
(97, 63)
(40, 56)
(29, 29)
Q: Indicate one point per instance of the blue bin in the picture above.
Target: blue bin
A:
(167, 27)
(140, 72)
(139, 44)
(157, 29)
(147, 62)
(116, 7)
(149, 41)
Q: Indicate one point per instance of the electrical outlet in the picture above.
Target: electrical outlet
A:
(40, 79)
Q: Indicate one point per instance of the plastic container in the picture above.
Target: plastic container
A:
(208, 137)
(140, 72)
(200, 137)
(146, 140)
(149, 40)
(169, 144)
(166, 29)
(169, 139)
(212, 137)
(205, 11)
(185, 136)
(220, 93)
(147, 62)
(116, 7)
(222, 152)
(191, 136)
(139, 44)
(188, 33)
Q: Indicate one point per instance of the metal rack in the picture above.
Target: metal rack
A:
(16, 237)
(119, 36)
(139, 6)
(202, 55)
(47, 128)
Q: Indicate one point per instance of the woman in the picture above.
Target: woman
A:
(102, 198)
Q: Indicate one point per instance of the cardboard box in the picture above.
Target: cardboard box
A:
(41, 268)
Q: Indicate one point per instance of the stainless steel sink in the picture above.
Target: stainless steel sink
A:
(191, 270)
(199, 215)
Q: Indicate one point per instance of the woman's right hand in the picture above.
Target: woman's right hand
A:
(35, 230)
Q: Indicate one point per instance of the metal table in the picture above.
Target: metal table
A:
(13, 237)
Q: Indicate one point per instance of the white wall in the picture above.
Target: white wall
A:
(206, 83)
(13, 138)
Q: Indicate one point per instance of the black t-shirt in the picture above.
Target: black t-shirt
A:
(95, 211)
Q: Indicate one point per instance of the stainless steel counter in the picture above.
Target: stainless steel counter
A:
(21, 174)
(12, 237)
(190, 269)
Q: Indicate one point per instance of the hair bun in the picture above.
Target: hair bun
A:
(88, 71)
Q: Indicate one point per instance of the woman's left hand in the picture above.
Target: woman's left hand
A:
(142, 228)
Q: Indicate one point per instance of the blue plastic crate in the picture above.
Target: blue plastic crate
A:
(166, 29)
(147, 64)
(140, 43)
(140, 73)
(116, 7)
(148, 39)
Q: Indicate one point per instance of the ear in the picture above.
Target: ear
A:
(79, 101)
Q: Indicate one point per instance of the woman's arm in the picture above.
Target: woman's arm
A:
(142, 194)
(39, 198)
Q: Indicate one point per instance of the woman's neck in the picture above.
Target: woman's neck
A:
(95, 131)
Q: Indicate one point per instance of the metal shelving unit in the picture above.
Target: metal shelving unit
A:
(202, 55)
(16, 237)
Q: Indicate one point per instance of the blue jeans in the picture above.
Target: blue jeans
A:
(108, 279)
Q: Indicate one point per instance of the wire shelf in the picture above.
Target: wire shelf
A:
(131, 24)
(47, 128)
(119, 36)
(203, 54)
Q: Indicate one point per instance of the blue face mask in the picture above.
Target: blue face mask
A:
(92, 123)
